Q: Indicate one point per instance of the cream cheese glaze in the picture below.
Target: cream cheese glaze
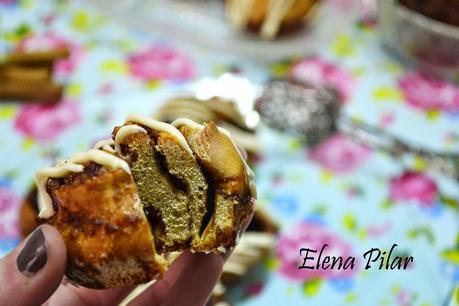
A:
(106, 145)
(162, 127)
(74, 164)
(188, 122)
(125, 131)
(104, 157)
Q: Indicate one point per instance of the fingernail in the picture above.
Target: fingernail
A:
(34, 254)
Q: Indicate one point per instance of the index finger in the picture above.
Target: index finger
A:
(189, 281)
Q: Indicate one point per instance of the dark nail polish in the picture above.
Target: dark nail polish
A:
(34, 254)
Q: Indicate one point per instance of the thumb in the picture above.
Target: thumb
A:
(32, 272)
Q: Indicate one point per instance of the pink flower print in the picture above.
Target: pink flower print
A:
(317, 71)
(9, 227)
(314, 236)
(429, 93)
(254, 289)
(404, 298)
(379, 230)
(413, 186)
(339, 154)
(45, 122)
(106, 88)
(9, 206)
(8, 200)
(49, 41)
(386, 119)
(159, 62)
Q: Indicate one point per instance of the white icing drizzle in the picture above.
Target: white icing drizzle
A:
(101, 158)
(185, 121)
(60, 162)
(106, 145)
(188, 122)
(160, 126)
(125, 131)
(73, 164)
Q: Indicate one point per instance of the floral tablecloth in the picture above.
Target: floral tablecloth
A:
(340, 193)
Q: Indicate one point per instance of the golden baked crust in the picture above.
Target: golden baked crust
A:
(119, 212)
(108, 241)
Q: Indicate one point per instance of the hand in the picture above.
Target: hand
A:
(32, 274)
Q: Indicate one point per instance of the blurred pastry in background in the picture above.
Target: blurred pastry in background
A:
(269, 17)
(28, 76)
(255, 246)
(224, 113)
(410, 28)
(446, 11)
